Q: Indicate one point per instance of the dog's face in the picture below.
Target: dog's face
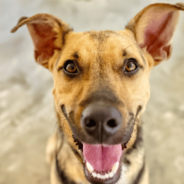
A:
(98, 80)
(106, 69)
(101, 81)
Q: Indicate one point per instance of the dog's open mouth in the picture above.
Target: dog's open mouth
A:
(102, 163)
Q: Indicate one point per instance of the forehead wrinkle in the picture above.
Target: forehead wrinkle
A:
(139, 49)
(125, 52)
(140, 52)
(56, 64)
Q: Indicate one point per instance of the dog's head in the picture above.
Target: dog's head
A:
(101, 80)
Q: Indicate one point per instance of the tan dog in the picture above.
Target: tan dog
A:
(101, 88)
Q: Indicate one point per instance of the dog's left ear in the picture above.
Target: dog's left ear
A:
(153, 29)
(48, 35)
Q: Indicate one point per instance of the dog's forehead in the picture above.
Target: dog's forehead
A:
(108, 45)
(100, 41)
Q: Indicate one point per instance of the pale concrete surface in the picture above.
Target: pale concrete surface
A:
(27, 115)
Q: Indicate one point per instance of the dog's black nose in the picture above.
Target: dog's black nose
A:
(101, 121)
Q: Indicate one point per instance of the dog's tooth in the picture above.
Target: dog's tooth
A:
(102, 176)
(115, 167)
(89, 167)
(106, 176)
(94, 174)
(111, 174)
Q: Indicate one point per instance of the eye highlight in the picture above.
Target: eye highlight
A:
(131, 66)
(70, 67)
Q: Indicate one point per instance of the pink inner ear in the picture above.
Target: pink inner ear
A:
(43, 38)
(158, 34)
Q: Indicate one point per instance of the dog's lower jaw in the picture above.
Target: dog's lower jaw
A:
(67, 167)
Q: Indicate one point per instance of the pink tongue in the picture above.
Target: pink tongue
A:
(102, 157)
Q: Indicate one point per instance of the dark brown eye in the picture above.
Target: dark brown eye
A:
(130, 65)
(70, 67)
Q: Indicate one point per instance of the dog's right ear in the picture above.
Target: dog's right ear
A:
(48, 35)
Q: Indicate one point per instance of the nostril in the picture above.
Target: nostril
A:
(90, 123)
(112, 123)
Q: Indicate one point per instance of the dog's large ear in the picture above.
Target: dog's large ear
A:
(154, 27)
(47, 32)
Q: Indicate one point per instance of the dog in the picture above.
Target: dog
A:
(101, 88)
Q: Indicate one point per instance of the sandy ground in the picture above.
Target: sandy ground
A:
(27, 115)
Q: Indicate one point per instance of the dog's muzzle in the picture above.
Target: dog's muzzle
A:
(101, 122)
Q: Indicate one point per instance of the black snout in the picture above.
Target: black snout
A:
(101, 122)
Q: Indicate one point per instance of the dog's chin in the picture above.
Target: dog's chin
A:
(102, 177)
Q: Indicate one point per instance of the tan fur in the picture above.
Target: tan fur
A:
(100, 55)
(51, 148)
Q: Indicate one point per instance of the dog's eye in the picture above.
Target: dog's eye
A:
(131, 65)
(70, 67)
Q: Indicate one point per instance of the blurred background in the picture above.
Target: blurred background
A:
(27, 115)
